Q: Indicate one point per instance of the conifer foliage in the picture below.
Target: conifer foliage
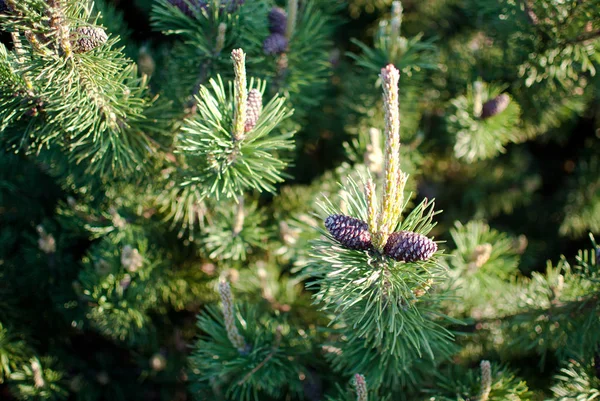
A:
(233, 200)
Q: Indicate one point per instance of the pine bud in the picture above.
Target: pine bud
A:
(220, 42)
(486, 381)
(360, 384)
(125, 282)
(158, 362)
(102, 267)
(408, 246)
(103, 378)
(46, 242)
(232, 332)
(254, 108)
(146, 62)
(350, 232)
(38, 374)
(277, 20)
(87, 38)
(275, 43)
(495, 106)
(240, 93)
(480, 256)
(240, 216)
(131, 258)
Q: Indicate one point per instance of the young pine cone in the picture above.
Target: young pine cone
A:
(254, 103)
(275, 43)
(350, 232)
(87, 38)
(277, 20)
(184, 6)
(407, 246)
(495, 106)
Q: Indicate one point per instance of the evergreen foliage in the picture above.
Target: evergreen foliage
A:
(234, 200)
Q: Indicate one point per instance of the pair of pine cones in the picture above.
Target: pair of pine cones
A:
(403, 246)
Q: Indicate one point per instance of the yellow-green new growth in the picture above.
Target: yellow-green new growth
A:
(229, 314)
(394, 179)
(240, 94)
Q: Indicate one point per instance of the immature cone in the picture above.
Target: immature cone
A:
(408, 246)
(277, 20)
(184, 6)
(254, 104)
(87, 38)
(275, 43)
(350, 232)
(495, 106)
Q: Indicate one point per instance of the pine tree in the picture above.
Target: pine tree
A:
(234, 200)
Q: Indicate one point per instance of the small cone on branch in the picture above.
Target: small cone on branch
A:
(277, 20)
(275, 43)
(254, 108)
(87, 38)
(350, 232)
(184, 6)
(408, 246)
(495, 106)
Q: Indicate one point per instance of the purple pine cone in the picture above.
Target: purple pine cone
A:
(275, 43)
(408, 246)
(277, 20)
(495, 106)
(199, 5)
(184, 6)
(350, 232)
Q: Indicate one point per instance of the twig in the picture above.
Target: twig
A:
(264, 361)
